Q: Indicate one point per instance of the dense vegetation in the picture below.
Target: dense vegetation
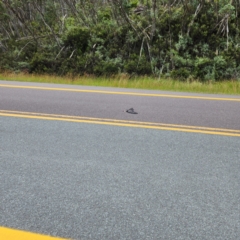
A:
(183, 39)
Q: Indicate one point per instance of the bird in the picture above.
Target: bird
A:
(131, 110)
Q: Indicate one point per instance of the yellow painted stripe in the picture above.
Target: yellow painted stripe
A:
(122, 121)
(12, 234)
(121, 124)
(122, 93)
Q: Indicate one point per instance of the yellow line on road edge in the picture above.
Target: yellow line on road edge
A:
(12, 234)
(121, 93)
(122, 124)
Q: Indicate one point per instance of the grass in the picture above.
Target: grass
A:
(125, 81)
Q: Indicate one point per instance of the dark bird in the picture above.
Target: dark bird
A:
(131, 110)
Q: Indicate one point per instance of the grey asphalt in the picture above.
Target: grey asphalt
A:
(86, 181)
(194, 112)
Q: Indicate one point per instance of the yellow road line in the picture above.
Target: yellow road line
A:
(136, 125)
(122, 121)
(121, 93)
(12, 234)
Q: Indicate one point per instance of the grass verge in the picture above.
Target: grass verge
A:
(125, 81)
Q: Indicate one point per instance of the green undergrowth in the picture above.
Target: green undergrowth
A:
(173, 39)
(126, 81)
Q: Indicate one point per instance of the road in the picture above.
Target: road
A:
(152, 106)
(74, 164)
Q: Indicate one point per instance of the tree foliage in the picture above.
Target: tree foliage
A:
(176, 38)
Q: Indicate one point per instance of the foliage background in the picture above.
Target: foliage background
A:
(182, 39)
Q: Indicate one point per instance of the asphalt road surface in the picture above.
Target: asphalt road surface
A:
(152, 106)
(81, 176)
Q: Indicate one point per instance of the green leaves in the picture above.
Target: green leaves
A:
(77, 38)
(229, 10)
(172, 38)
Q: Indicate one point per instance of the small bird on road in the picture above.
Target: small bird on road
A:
(131, 110)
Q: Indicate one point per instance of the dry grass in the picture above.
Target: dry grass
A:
(125, 81)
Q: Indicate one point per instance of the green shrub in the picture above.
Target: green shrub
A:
(138, 65)
(180, 74)
(42, 63)
(108, 67)
(77, 38)
(203, 68)
(104, 39)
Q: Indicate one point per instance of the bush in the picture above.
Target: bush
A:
(138, 65)
(108, 67)
(180, 74)
(110, 38)
(42, 63)
(77, 38)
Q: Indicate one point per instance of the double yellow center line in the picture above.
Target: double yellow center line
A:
(122, 123)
